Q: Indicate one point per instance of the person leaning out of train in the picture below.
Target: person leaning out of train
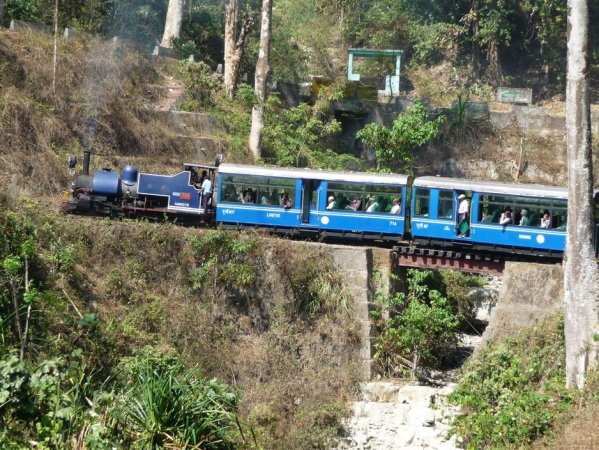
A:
(331, 202)
(506, 216)
(206, 190)
(372, 206)
(524, 219)
(285, 201)
(396, 208)
(546, 219)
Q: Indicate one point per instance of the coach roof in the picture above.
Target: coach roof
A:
(309, 174)
(492, 187)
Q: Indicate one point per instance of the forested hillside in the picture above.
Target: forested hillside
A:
(485, 42)
(143, 335)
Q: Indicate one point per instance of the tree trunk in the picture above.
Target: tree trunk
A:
(231, 66)
(172, 26)
(2, 5)
(262, 73)
(234, 48)
(475, 48)
(55, 57)
(581, 273)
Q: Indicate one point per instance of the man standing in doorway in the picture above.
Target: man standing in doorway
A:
(463, 211)
(206, 190)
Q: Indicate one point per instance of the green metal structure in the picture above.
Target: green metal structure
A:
(391, 81)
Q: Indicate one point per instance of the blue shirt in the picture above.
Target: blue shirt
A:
(207, 186)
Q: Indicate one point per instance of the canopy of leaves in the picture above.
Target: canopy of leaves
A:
(394, 146)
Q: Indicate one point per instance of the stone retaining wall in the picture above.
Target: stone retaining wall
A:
(529, 294)
(535, 119)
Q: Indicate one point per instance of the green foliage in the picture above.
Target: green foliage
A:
(187, 48)
(317, 289)
(246, 96)
(164, 405)
(141, 21)
(425, 328)
(425, 321)
(223, 258)
(297, 137)
(394, 146)
(463, 128)
(511, 393)
(200, 84)
(22, 10)
(431, 41)
(46, 403)
(291, 135)
(203, 25)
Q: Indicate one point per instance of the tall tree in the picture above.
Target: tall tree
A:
(172, 27)
(234, 47)
(581, 273)
(261, 77)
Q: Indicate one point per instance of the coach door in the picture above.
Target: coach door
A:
(310, 195)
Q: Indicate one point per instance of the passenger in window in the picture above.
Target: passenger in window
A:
(331, 202)
(372, 205)
(506, 216)
(285, 201)
(264, 199)
(546, 219)
(396, 208)
(249, 196)
(354, 205)
(524, 219)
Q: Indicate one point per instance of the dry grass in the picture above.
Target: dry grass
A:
(296, 372)
(101, 101)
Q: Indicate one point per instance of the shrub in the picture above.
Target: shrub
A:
(201, 85)
(394, 146)
(425, 322)
(166, 406)
(223, 258)
(511, 393)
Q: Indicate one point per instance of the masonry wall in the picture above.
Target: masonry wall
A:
(529, 294)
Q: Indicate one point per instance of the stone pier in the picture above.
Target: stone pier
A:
(530, 293)
(357, 265)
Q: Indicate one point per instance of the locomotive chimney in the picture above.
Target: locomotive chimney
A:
(86, 156)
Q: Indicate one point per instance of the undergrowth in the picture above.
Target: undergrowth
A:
(424, 322)
(511, 394)
(268, 316)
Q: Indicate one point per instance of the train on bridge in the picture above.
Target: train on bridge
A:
(431, 212)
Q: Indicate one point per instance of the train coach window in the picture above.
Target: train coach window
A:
(422, 202)
(356, 197)
(445, 205)
(256, 190)
(527, 211)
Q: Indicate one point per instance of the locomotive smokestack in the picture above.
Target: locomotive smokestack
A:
(86, 156)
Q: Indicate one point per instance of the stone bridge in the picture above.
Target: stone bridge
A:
(529, 292)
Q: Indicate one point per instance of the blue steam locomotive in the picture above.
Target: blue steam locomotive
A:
(513, 218)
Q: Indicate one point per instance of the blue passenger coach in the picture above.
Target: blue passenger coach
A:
(336, 203)
(537, 214)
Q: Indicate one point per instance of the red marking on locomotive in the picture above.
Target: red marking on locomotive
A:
(185, 196)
